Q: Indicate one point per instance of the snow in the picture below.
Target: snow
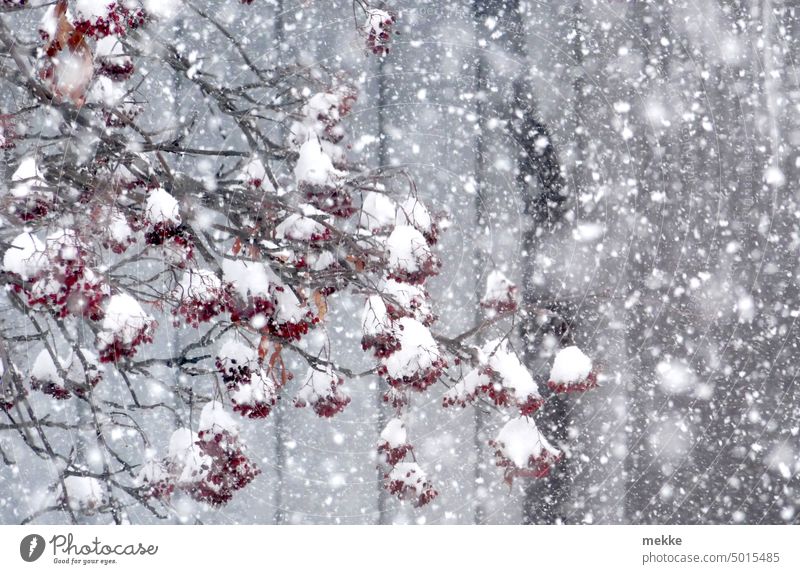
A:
(571, 365)
(465, 389)
(248, 278)
(511, 372)
(254, 171)
(418, 351)
(84, 493)
(73, 70)
(49, 23)
(378, 212)
(412, 298)
(214, 420)
(411, 474)
(288, 308)
(375, 319)
(125, 318)
(520, 439)
(407, 249)
(314, 166)
(234, 350)
(394, 433)
(187, 457)
(162, 9)
(413, 212)
(26, 178)
(107, 92)
(676, 377)
(304, 227)
(161, 207)
(25, 257)
(497, 286)
(180, 442)
(119, 229)
(44, 369)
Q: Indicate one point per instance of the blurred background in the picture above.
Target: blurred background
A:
(633, 167)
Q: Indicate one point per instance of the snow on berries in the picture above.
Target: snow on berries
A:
(230, 469)
(73, 374)
(210, 465)
(45, 377)
(512, 382)
(320, 182)
(125, 327)
(200, 296)
(408, 481)
(523, 451)
(572, 371)
(413, 212)
(253, 173)
(101, 18)
(254, 387)
(410, 258)
(500, 296)
(250, 281)
(163, 225)
(418, 362)
(310, 226)
(393, 446)
(378, 30)
(112, 61)
(55, 274)
(322, 391)
(155, 480)
(31, 198)
(378, 213)
(25, 257)
(8, 134)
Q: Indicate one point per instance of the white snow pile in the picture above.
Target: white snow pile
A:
(676, 376)
(418, 353)
(214, 420)
(25, 257)
(520, 441)
(248, 278)
(306, 226)
(107, 92)
(27, 178)
(118, 228)
(161, 207)
(412, 298)
(91, 9)
(499, 293)
(407, 250)
(44, 369)
(187, 459)
(378, 212)
(571, 366)
(235, 352)
(414, 213)
(466, 390)
(375, 320)
(288, 307)
(315, 167)
(394, 434)
(124, 320)
(84, 493)
(511, 373)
